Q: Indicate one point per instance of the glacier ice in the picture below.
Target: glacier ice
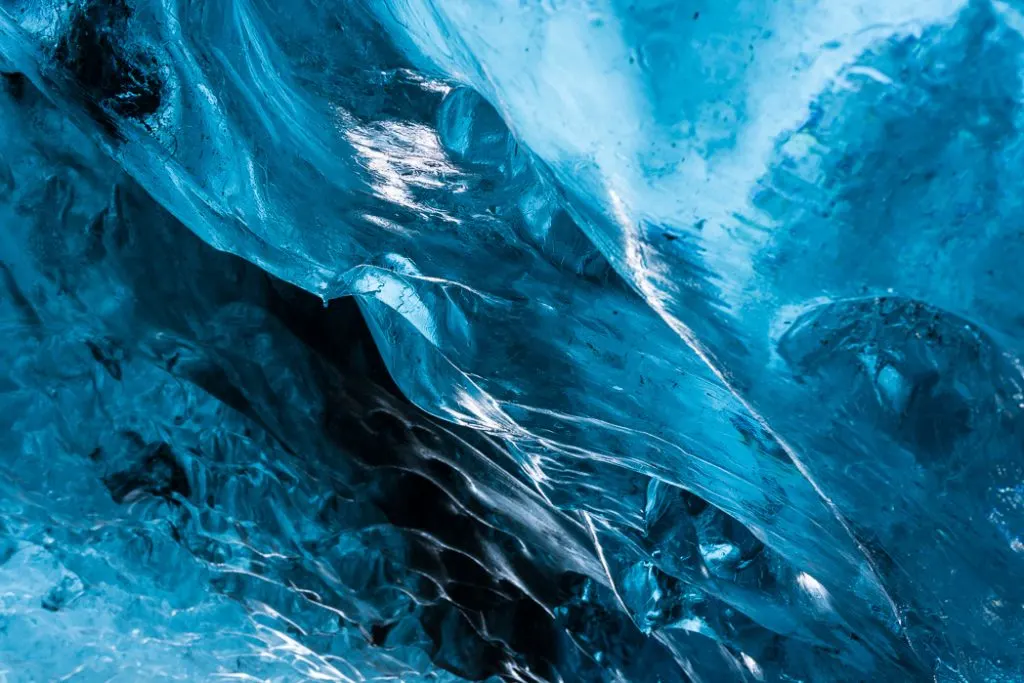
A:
(643, 340)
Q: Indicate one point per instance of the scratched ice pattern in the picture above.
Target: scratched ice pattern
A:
(511, 340)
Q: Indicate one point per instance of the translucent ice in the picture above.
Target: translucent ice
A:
(709, 313)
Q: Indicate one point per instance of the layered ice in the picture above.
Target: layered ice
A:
(642, 340)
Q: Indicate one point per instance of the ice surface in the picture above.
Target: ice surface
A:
(667, 340)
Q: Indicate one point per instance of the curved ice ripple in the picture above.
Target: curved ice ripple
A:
(730, 289)
(209, 476)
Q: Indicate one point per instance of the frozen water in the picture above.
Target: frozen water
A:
(702, 320)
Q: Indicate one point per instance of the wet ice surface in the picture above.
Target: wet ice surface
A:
(665, 342)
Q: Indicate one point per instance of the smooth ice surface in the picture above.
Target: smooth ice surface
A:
(667, 340)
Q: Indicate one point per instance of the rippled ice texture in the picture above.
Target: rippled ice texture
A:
(667, 340)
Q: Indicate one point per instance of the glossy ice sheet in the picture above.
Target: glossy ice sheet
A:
(719, 303)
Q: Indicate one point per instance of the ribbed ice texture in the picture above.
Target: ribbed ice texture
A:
(703, 322)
